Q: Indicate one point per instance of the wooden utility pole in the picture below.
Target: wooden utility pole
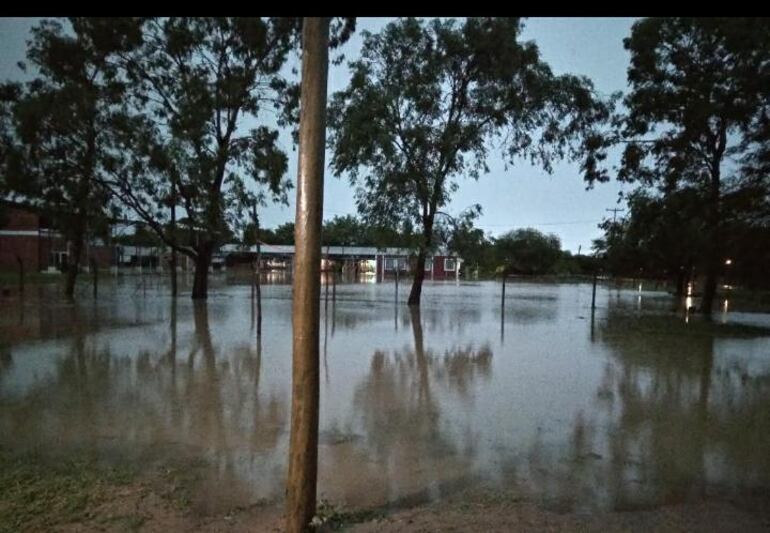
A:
(615, 212)
(303, 443)
(173, 239)
(257, 270)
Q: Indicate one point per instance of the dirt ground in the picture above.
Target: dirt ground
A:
(83, 494)
(140, 508)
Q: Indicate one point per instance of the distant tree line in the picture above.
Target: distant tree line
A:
(176, 121)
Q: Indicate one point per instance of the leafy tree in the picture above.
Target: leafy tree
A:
(424, 101)
(698, 114)
(57, 128)
(343, 231)
(527, 251)
(660, 237)
(284, 234)
(196, 82)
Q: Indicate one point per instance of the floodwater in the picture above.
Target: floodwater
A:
(639, 407)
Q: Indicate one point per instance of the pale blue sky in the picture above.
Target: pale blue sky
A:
(521, 196)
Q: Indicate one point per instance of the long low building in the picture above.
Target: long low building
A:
(379, 262)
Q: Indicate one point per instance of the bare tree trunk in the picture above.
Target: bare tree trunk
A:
(419, 277)
(73, 267)
(714, 221)
(201, 276)
(303, 445)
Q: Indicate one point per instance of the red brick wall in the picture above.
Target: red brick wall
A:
(23, 246)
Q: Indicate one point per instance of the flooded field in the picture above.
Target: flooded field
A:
(639, 407)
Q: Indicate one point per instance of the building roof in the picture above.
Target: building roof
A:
(349, 251)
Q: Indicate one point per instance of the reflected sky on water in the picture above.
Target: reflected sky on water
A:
(645, 405)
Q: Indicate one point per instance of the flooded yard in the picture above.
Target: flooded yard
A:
(636, 408)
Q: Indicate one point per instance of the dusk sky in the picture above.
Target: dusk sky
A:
(521, 196)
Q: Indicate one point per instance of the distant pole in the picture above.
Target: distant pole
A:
(615, 212)
(502, 298)
(303, 442)
(593, 294)
(95, 271)
(21, 274)
(397, 266)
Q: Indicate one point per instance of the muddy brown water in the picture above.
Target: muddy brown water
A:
(639, 407)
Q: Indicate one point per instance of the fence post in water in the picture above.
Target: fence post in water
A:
(258, 271)
(502, 298)
(21, 274)
(303, 442)
(593, 294)
(95, 272)
(397, 267)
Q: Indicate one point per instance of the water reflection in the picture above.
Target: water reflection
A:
(406, 446)
(672, 421)
(636, 407)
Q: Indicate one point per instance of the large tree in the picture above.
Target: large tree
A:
(659, 237)
(698, 114)
(425, 100)
(58, 126)
(527, 251)
(197, 143)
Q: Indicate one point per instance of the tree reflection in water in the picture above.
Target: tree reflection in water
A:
(675, 420)
(406, 451)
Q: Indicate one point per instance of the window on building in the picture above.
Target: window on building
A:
(428, 265)
(449, 265)
(390, 263)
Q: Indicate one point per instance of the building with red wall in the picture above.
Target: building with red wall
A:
(27, 238)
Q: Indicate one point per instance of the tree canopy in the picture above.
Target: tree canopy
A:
(426, 99)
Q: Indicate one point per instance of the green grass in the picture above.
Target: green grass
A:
(39, 493)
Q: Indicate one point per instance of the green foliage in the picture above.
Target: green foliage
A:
(195, 84)
(56, 130)
(527, 251)
(426, 99)
(661, 235)
(697, 117)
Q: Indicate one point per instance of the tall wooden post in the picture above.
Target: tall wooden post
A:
(258, 271)
(593, 294)
(173, 239)
(303, 443)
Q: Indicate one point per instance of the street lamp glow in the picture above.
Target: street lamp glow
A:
(729, 262)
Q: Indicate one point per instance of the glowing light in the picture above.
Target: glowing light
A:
(689, 290)
(729, 262)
